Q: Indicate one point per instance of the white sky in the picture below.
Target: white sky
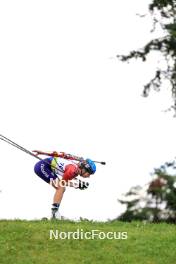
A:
(63, 89)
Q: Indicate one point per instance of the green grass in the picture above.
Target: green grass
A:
(28, 242)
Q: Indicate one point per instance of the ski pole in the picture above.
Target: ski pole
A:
(7, 140)
(101, 162)
(68, 156)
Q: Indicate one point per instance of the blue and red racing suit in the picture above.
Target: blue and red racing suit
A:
(51, 168)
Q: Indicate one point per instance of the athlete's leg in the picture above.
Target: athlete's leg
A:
(60, 189)
(44, 171)
(58, 194)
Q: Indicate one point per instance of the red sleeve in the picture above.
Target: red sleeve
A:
(71, 171)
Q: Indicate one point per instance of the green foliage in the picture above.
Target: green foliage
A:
(166, 11)
(155, 203)
(166, 7)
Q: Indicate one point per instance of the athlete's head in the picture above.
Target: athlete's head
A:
(87, 167)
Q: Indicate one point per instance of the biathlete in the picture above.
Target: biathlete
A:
(59, 169)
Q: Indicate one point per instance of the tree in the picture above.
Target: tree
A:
(155, 201)
(163, 12)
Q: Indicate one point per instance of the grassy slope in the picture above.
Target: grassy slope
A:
(28, 242)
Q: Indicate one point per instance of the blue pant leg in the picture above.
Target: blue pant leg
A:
(44, 171)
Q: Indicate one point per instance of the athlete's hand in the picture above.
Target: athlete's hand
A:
(83, 185)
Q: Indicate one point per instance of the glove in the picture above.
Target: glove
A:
(83, 185)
